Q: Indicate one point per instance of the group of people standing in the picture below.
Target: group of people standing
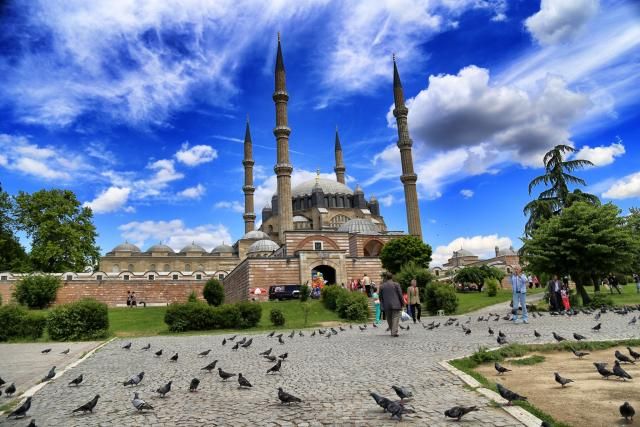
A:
(558, 293)
(363, 285)
(390, 301)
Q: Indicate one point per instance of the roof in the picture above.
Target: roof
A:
(126, 247)
(255, 235)
(462, 253)
(300, 218)
(328, 187)
(226, 249)
(160, 248)
(264, 245)
(359, 226)
(508, 251)
(192, 248)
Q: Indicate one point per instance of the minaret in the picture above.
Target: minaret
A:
(248, 188)
(282, 168)
(408, 177)
(339, 169)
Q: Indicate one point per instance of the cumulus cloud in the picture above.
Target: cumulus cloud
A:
(482, 246)
(386, 200)
(109, 200)
(175, 233)
(624, 188)
(196, 155)
(193, 192)
(559, 21)
(234, 206)
(466, 193)
(602, 155)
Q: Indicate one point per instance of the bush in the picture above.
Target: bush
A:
(411, 271)
(193, 297)
(492, 287)
(192, 316)
(441, 297)
(227, 316)
(37, 291)
(213, 292)
(81, 320)
(598, 300)
(352, 305)
(277, 317)
(250, 314)
(305, 291)
(330, 296)
(18, 322)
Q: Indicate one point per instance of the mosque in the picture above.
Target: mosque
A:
(319, 227)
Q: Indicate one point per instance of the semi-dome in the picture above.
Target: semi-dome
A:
(222, 249)
(328, 187)
(360, 226)
(126, 247)
(255, 235)
(264, 245)
(192, 248)
(160, 248)
(462, 253)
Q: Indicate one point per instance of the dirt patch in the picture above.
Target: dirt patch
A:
(589, 401)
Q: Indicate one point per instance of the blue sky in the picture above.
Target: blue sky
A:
(140, 107)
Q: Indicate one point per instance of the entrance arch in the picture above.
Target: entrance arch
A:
(328, 273)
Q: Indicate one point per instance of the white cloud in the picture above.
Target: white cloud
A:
(3, 160)
(110, 200)
(624, 188)
(196, 155)
(602, 155)
(193, 192)
(482, 246)
(559, 21)
(386, 200)
(38, 169)
(164, 173)
(466, 193)
(175, 234)
(234, 206)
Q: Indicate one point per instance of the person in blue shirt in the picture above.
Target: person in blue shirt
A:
(519, 284)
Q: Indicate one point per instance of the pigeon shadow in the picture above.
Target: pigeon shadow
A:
(623, 422)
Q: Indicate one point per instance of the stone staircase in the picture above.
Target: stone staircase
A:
(372, 310)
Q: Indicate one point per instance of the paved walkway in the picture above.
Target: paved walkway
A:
(332, 376)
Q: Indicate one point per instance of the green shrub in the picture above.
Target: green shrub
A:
(330, 296)
(352, 305)
(277, 317)
(441, 297)
(250, 314)
(18, 322)
(600, 299)
(192, 316)
(227, 316)
(37, 291)
(492, 286)
(305, 291)
(213, 292)
(193, 297)
(81, 320)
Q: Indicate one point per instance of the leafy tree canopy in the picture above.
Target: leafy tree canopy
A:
(12, 255)
(400, 251)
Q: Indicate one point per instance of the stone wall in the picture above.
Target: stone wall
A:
(260, 272)
(166, 263)
(370, 265)
(300, 240)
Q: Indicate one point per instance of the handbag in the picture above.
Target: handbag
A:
(405, 316)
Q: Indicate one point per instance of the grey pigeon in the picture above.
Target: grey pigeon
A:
(65, 351)
(396, 409)
(266, 352)
(597, 327)
(633, 321)
(275, 368)
(22, 410)
(32, 423)
(271, 334)
(509, 395)
(204, 353)
(313, 334)
(127, 346)
(158, 353)
(224, 341)
(232, 338)
(2, 382)
(633, 354)
(45, 351)
(458, 412)
(558, 337)
(76, 381)
(300, 334)
(402, 392)
(286, 397)
(623, 357)
(490, 333)
(579, 354)
(242, 341)
(236, 346)
(579, 337)
(194, 384)
(134, 379)
(210, 367)
(284, 356)
(50, 374)
(10, 390)
(140, 404)
(225, 375)
(88, 407)
(146, 347)
(561, 380)
(620, 373)
(502, 340)
(174, 358)
(164, 389)
(380, 400)
(280, 340)
(292, 334)
(243, 382)
(602, 370)
(248, 343)
(270, 358)
(627, 411)
(536, 334)
(501, 369)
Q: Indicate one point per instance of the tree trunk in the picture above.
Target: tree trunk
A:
(596, 282)
(584, 296)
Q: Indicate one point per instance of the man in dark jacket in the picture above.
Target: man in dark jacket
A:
(391, 301)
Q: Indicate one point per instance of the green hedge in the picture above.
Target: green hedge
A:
(441, 297)
(18, 322)
(198, 316)
(349, 305)
(86, 319)
(277, 317)
(37, 290)
(330, 296)
(213, 292)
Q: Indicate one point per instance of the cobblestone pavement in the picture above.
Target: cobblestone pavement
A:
(331, 375)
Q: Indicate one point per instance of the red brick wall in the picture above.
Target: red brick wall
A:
(259, 272)
(370, 265)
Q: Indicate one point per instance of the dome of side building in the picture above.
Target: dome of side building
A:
(359, 226)
(222, 249)
(264, 245)
(160, 248)
(255, 235)
(192, 248)
(126, 247)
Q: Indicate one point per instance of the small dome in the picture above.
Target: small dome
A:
(300, 218)
(462, 253)
(126, 247)
(255, 235)
(222, 249)
(359, 226)
(508, 251)
(160, 248)
(192, 248)
(264, 245)
(328, 187)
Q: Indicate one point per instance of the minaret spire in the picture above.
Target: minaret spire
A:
(248, 188)
(283, 167)
(340, 168)
(408, 176)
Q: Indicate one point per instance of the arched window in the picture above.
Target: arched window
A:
(187, 267)
(338, 220)
(167, 267)
(130, 267)
(152, 267)
(115, 268)
(200, 267)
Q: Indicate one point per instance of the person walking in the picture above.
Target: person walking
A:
(376, 303)
(391, 300)
(613, 283)
(366, 281)
(553, 287)
(519, 284)
(413, 294)
(636, 278)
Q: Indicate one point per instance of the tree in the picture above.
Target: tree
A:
(63, 237)
(213, 292)
(402, 250)
(12, 255)
(478, 275)
(584, 240)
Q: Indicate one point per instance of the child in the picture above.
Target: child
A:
(565, 299)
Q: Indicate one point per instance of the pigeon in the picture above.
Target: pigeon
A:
(501, 369)
(396, 409)
(627, 411)
(313, 334)
(10, 390)
(50, 374)
(271, 334)
(127, 346)
(65, 351)
(275, 368)
(402, 392)
(140, 404)
(266, 352)
(22, 410)
(501, 334)
(159, 353)
(292, 334)
(561, 380)
(146, 347)
(283, 356)
(537, 334)
(280, 335)
(361, 329)
(380, 400)
(579, 354)
(558, 337)
(490, 333)
(45, 351)
(579, 337)
(134, 380)
(2, 382)
(164, 389)
(243, 382)
(225, 375)
(374, 325)
(194, 385)
(458, 412)
(342, 329)
(204, 353)
(270, 358)
(597, 327)
(248, 343)
(224, 341)
(32, 423)
(286, 397)
(88, 407)
(623, 357)
(633, 354)
(602, 370)
(242, 341)
(509, 395)
(280, 340)
(76, 381)
(236, 346)
(597, 317)
(633, 321)
(211, 366)
(232, 338)
(620, 373)
(502, 340)
(174, 358)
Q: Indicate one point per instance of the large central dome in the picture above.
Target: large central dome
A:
(328, 187)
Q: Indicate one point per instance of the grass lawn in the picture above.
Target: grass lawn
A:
(127, 322)
(471, 301)
(629, 295)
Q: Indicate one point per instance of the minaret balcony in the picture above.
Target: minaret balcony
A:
(283, 169)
